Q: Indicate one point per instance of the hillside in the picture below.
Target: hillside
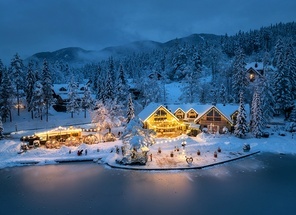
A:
(76, 56)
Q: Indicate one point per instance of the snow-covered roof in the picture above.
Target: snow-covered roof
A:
(57, 87)
(150, 109)
(226, 110)
(255, 65)
(198, 108)
(63, 90)
(147, 111)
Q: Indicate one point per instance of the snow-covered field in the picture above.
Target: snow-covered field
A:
(231, 146)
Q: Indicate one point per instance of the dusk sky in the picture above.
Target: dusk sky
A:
(31, 26)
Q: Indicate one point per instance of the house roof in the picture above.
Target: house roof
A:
(198, 108)
(255, 65)
(151, 109)
(64, 94)
(226, 110)
(258, 66)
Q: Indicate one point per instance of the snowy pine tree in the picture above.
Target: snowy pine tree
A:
(214, 93)
(6, 100)
(136, 137)
(223, 96)
(257, 115)
(290, 65)
(46, 87)
(240, 81)
(293, 115)
(151, 90)
(122, 87)
(1, 127)
(73, 105)
(87, 101)
(115, 110)
(1, 70)
(282, 81)
(266, 91)
(38, 100)
(241, 127)
(18, 78)
(130, 109)
(109, 92)
(30, 81)
(101, 117)
(99, 85)
(190, 88)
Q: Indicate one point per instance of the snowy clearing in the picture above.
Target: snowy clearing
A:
(231, 146)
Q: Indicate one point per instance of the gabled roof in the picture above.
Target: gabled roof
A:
(151, 109)
(198, 108)
(221, 112)
(226, 110)
(178, 109)
(255, 65)
(192, 109)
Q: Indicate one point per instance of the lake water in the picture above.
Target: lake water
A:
(262, 184)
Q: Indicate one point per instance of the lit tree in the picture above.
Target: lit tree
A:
(257, 115)
(18, 77)
(107, 116)
(137, 141)
(115, 112)
(101, 117)
(241, 127)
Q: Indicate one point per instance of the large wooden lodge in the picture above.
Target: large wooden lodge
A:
(173, 120)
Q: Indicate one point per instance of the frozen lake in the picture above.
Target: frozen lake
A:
(262, 184)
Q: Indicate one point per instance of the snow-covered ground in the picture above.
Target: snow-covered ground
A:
(231, 146)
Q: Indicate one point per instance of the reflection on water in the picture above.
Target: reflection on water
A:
(263, 184)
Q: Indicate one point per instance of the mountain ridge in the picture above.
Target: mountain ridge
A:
(77, 56)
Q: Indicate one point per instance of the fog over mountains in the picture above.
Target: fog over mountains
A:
(77, 56)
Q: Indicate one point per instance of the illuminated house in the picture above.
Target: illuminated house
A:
(173, 120)
(158, 118)
(254, 71)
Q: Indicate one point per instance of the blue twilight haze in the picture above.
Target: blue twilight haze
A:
(33, 26)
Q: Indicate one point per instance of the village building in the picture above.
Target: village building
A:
(173, 120)
(255, 71)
